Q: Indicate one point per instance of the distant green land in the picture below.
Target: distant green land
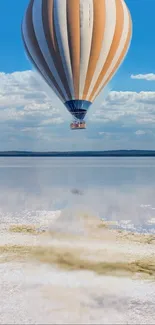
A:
(110, 153)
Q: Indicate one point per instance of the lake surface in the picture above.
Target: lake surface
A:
(38, 190)
(118, 189)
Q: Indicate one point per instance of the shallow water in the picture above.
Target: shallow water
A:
(119, 189)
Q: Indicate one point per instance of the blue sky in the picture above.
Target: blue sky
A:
(34, 121)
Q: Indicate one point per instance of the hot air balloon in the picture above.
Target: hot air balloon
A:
(77, 46)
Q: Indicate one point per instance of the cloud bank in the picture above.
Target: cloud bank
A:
(32, 118)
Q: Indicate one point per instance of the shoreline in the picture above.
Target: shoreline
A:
(83, 154)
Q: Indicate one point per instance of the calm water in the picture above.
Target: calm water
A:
(119, 189)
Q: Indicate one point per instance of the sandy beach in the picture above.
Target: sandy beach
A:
(83, 272)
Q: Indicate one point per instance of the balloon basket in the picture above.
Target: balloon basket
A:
(78, 125)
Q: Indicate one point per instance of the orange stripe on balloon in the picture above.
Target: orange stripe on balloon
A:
(116, 40)
(120, 58)
(97, 39)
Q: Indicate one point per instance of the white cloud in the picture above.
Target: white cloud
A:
(54, 120)
(140, 132)
(21, 97)
(105, 134)
(144, 132)
(102, 133)
(30, 116)
(127, 107)
(24, 99)
(148, 77)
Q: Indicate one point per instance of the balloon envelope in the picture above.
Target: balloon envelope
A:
(77, 46)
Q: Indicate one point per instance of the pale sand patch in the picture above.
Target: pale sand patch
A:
(41, 294)
(101, 250)
(64, 278)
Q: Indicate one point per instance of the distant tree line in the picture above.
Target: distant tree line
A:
(110, 153)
